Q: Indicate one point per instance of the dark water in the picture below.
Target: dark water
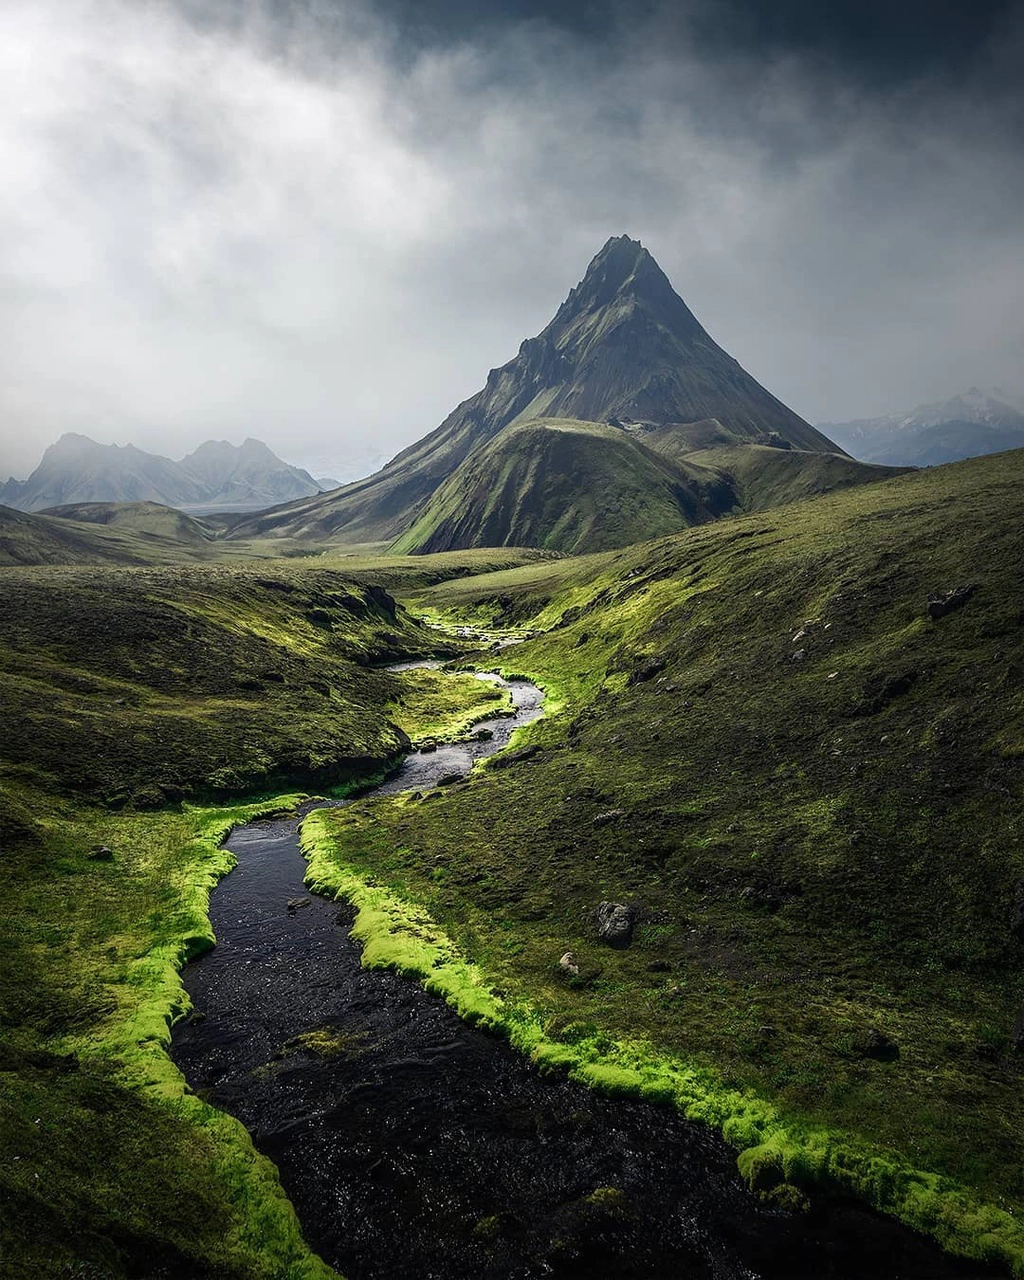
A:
(425, 1149)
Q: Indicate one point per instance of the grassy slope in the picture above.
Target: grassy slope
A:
(566, 486)
(763, 477)
(821, 846)
(110, 1169)
(131, 685)
(46, 539)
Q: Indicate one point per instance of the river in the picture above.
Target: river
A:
(414, 1147)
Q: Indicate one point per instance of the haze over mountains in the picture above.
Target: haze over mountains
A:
(623, 419)
(216, 475)
(964, 426)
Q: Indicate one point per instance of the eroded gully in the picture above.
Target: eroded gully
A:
(421, 1148)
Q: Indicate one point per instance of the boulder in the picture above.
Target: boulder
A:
(872, 1043)
(568, 965)
(508, 758)
(646, 670)
(615, 921)
(942, 602)
(100, 853)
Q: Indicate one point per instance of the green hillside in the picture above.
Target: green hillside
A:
(810, 790)
(577, 487)
(565, 486)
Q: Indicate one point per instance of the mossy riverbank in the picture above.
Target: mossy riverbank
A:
(810, 790)
(111, 1167)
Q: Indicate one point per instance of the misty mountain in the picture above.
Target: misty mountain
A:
(964, 426)
(77, 470)
(623, 351)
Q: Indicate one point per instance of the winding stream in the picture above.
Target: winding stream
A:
(417, 1147)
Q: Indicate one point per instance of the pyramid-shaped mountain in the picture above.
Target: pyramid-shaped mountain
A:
(623, 352)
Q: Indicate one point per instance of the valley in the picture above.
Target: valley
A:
(746, 895)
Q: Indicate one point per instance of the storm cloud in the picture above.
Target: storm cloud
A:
(322, 224)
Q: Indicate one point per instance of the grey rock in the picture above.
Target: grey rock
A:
(943, 602)
(872, 1043)
(615, 921)
(609, 815)
(508, 758)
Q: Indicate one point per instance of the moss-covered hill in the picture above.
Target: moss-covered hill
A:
(810, 788)
(143, 686)
(566, 486)
(579, 487)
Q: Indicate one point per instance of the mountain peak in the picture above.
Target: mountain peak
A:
(624, 278)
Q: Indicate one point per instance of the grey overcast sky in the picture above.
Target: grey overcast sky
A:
(321, 222)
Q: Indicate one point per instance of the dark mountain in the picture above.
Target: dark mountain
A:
(623, 349)
(964, 426)
(77, 470)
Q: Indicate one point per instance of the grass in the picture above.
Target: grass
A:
(815, 799)
(143, 686)
(821, 833)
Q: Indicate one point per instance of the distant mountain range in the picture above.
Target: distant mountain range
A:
(216, 476)
(622, 420)
(964, 426)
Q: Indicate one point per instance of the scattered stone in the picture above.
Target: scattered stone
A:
(568, 965)
(941, 603)
(483, 735)
(509, 758)
(609, 815)
(659, 966)
(427, 746)
(767, 1032)
(447, 779)
(872, 1043)
(646, 671)
(295, 903)
(100, 853)
(798, 655)
(615, 921)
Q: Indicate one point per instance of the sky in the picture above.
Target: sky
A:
(321, 222)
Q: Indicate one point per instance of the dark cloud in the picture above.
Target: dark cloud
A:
(321, 223)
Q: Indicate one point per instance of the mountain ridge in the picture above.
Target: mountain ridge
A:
(966, 425)
(77, 470)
